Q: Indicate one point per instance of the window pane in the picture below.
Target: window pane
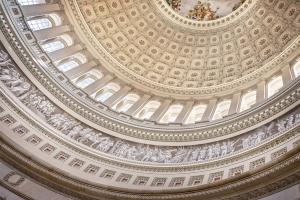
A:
(248, 100)
(275, 85)
(222, 109)
(172, 113)
(39, 24)
(126, 103)
(104, 96)
(67, 66)
(52, 46)
(196, 114)
(296, 68)
(85, 82)
(106, 92)
(148, 110)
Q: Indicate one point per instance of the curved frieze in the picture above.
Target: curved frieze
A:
(76, 130)
(284, 167)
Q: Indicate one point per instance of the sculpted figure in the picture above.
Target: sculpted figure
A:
(131, 154)
(104, 144)
(75, 131)
(281, 125)
(270, 129)
(57, 120)
(252, 138)
(164, 155)
(224, 149)
(121, 151)
(209, 152)
(94, 139)
(141, 152)
(230, 146)
(297, 118)
(290, 121)
(84, 134)
(194, 155)
(179, 155)
(9, 76)
(12, 78)
(154, 155)
(33, 100)
(246, 142)
(46, 107)
(148, 154)
(21, 88)
(216, 150)
(202, 153)
(15, 81)
(260, 136)
(68, 124)
(4, 58)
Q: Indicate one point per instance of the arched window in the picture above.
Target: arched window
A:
(126, 103)
(80, 57)
(274, 85)
(222, 109)
(172, 113)
(148, 110)
(71, 62)
(66, 66)
(52, 46)
(107, 91)
(196, 114)
(39, 24)
(30, 2)
(88, 78)
(58, 43)
(296, 68)
(248, 100)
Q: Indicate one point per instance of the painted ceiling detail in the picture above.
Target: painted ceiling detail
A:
(204, 10)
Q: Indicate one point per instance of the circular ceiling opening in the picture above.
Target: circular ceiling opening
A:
(204, 10)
